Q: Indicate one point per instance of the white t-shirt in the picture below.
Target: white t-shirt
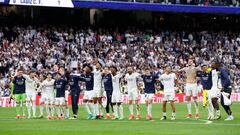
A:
(116, 83)
(168, 82)
(132, 81)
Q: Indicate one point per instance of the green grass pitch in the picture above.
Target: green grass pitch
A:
(181, 126)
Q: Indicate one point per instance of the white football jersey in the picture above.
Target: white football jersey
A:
(216, 82)
(48, 86)
(97, 79)
(31, 84)
(132, 81)
(168, 81)
(116, 83)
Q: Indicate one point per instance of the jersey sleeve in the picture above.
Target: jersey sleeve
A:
(183, 69)
(174, 76)
(26, 77)
(198, 68)
(81, 78)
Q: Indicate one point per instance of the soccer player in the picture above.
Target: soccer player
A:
(47, 97)
(214, 93)
(75, 91)
(108, 87)
(31, 86)
(149, 80)
(207, 83)
(169, 80)
(55, 70)
(132, 87)
(64, 76)
(88, 78)
(60, 86)
(19, 93)
(97, 91)
(191, 87)
(41, 78)
(116, 95)
(226, 88)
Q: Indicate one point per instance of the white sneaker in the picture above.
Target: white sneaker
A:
(163, 118)
(210, 117)
(229, 118)
(173, 118)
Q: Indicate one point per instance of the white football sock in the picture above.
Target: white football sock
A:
(196, 107)
(115, 108)
(48, 110)
(164, 114)
(97, 109)
(58, 110)
(173, 114)
(101, 109)
(131, 109)
(149, 109)
(34, 109)
(189, 107)
(41, 110)
(92, 108)
(28, 108)
(67, 111)
(120, 108)
(87, 107)
(52, 110)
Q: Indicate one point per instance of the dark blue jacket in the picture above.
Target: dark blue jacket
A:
(107, 82)
(206, 80)
(60, 86)
(74, 82)
(89, 81)
(225, 77)
(149, 82)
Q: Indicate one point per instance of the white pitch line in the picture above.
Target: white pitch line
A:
(158, 121)
(179, 122)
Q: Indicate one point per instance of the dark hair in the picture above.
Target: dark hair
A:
(87, 65)
(49, 74)
(114, 67)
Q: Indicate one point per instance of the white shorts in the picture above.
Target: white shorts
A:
(98, 92)
(47, 99)
(66, 96)
(30, 96)
(214, 93)
(88, 95)
(191, 90)
(133, 95)
(149, 96)
(116, 97)
(60, 101)
(169, 97)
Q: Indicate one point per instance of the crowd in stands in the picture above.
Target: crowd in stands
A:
(39, 48)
